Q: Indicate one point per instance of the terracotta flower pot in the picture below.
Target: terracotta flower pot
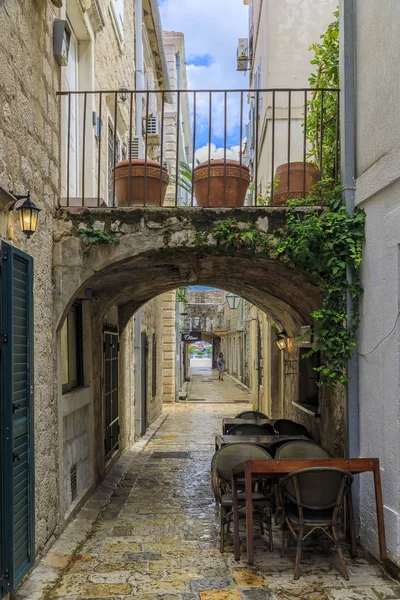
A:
(237, 182)
(138, 188)
(302, 178)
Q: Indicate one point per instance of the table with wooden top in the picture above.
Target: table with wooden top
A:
(260, 440)
(228, 423)
(281, 467)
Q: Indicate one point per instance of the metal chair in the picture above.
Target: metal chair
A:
(251, 414)
(250, 429)
(288, 427)
(222, 464)
(311, 499)
(296, 449)
(301, 449)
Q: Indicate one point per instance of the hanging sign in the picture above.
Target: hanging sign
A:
(191, 336)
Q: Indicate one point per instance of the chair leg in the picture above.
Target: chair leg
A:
(222, 531)
(269, 522)
(298, 553)
(340, 552)
(284, 540)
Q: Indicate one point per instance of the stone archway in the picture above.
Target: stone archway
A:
(162, 249)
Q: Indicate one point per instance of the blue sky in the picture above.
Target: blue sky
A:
(211, 29)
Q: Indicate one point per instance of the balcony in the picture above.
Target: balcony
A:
(283, 140)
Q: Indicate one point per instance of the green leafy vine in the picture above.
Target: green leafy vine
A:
(95, 237)
(323, 246)
(324, 106)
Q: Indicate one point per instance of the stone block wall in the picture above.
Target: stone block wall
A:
(29, 160)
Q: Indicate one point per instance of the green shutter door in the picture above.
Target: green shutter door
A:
(17, 489)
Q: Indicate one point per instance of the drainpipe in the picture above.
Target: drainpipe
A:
(139, 64)
(347, 143)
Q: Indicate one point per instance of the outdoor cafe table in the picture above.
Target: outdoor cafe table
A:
(228, 423)
(278, 468)
(261, 440)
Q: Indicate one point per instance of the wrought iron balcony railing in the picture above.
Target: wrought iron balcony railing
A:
(283, 142)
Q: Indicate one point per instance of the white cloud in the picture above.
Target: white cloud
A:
(231, 153)
(211, 27)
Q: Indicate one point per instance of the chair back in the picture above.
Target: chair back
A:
(301, 449)
(287, 427)
(316, 488)
(251, 414)
(250, 429)
(231, 455)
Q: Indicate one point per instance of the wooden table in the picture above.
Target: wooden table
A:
(228, 423)
(261, 440)
(277, 468)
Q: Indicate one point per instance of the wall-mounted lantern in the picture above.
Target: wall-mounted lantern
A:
(196, 321)
(282, 340)
(28, 213)
(233, 300)
(123, 93)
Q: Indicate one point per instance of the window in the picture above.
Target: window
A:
(308, 379)
(154, 366)
(118, 8)
(71, 349)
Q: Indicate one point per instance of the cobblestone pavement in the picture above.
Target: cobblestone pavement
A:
(205, 387)
(157, 536)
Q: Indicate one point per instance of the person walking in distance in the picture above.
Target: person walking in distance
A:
(221, 366)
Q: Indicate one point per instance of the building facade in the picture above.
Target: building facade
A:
(377, 193)
(87, 405)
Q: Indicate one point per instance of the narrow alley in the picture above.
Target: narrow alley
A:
(150, 532)
(204, 386)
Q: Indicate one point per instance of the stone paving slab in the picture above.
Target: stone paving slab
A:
(155, 536)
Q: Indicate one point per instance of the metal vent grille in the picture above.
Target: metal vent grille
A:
(180, 455)
(152, 126)
(73, 482)
(136, 147)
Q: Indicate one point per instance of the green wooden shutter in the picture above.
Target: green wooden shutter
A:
(17, 414)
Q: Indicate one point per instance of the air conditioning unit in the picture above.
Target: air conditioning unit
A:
(136, 147)
(243, 54)
(153, 127)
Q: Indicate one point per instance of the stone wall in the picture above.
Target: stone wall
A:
(29, 160)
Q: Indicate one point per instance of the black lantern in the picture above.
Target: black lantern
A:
(28, 214)
(233, 300)
(281, 341)
(123, 93)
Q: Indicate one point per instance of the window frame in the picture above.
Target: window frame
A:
(78, 381)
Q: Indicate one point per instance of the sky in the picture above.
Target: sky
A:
(211, 29)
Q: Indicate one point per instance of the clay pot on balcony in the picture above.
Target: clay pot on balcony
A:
(303, 176)
(140, 192)
(211, 192)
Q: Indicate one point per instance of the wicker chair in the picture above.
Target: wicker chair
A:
(301, 449)
(312, 499)
(287, 427)
(251, 414)
(250, 429)
(222, 464)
